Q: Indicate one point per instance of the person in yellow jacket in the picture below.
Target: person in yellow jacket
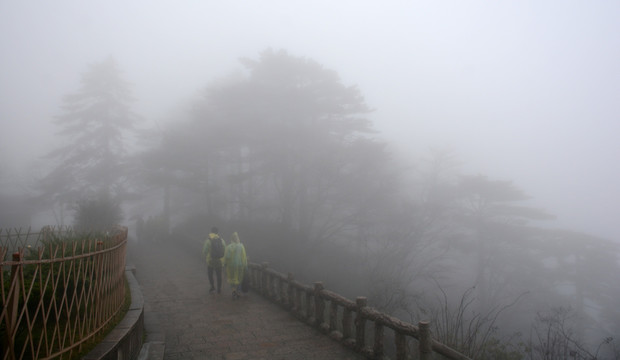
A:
(235, 262)
(214, 249)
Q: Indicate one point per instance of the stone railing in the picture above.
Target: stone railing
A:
(345, 320)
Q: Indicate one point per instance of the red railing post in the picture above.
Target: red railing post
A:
(13, 302)
(98, 284)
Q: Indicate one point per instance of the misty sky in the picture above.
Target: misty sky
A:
(527, 91)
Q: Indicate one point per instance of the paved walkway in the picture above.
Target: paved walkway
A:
(198, 325)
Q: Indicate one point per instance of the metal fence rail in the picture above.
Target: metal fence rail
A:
(347, 321)
(60, 288)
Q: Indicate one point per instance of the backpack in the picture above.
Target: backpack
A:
(217, 249)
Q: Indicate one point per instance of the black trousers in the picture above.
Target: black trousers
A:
(218, 275)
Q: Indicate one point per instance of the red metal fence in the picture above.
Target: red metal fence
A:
(60, 289)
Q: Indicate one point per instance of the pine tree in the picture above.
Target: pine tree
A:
(95, 125)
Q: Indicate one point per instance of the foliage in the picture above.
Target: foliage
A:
(45, 284)
(287, 143)
(155, 228)
(95, 125)
(98, 214)
(473, 333)
(554, 337)
(493, 218)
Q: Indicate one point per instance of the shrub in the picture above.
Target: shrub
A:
(98, 214)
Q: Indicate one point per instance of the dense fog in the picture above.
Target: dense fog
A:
(461, 154)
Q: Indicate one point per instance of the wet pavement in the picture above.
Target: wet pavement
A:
(190, 323)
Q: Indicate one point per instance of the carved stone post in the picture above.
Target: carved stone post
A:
(250, 274)
(291, 292)
(425, 343)
(378, 345)
(299, 302)
(271, 291)
(277, 288)
(264, 284)
(360, 323)
(319, 304)
(346, 324)
(333, 316)
(282, 295)
(309, 305)
(401, 346)
(400, 342)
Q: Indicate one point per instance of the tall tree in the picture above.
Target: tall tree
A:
(286, 142)
(291, 116)
(95, 125)
(494, 212)
(585, 268)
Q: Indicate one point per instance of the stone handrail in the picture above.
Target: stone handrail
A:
(345, 320)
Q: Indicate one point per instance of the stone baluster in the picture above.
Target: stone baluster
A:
(291, 292)
(360, 324)
(346, 324)
(401, 346)
(378, 344)
(425, 343)
(264, 286)
(282, 295)
(333, 316)
(309, 305)
(299, 301)
(319, 304)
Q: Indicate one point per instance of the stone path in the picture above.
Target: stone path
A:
(199, 325)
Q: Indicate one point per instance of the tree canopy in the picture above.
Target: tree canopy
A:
(287, 142)
(94, 126)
